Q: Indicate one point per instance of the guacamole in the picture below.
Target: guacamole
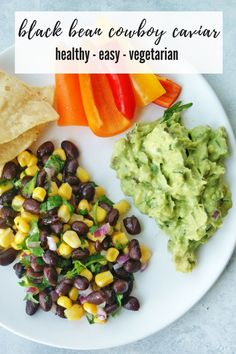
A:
(176, 176)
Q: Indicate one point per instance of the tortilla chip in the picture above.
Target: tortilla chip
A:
(46, 93)
(21, 109)
(10, 150)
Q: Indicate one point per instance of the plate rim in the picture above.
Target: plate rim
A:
(182, 312)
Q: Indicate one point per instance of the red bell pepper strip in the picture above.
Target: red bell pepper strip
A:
(68, 100)
(123, 94)
(172, 92)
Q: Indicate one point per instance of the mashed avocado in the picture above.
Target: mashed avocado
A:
(176, 176)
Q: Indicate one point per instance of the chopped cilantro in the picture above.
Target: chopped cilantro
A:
(55, 162)
(25, 261)
(95, 258)
(78, 267)
(30, 297)
(29, 187)
(176, 108)
(93, 228)
(106, 200)
(119, 298)
(119, 245)
(17, 183)
(69, 205)
(90, 318)
(95, 207)
(52, 202)
(83, 212)
(34, 236)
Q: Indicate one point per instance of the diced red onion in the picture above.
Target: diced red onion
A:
(101, 314)
(51, 243)
(216, 214)
(34, 244)
(82, 299)
(117, 266)
(102, 231)
(86, 292)
(122, 258)
(32, 290)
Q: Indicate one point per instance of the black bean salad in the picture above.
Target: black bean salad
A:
(73, 253)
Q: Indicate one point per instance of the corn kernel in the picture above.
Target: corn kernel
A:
(31, 171)
(5, 187)
(53, 190)
(82, 174)
(61, 153)
(99, 192)
(126, 250)
(55, 239)
(22, 175)
(24, 158)
(6, 237)
(145, 254)
(72, 239)
(84, 204)
(76, 217)
(88, 222)
(58, 269)
(74, 313)
(112, 254)
(99, 320)
(64, 213)
(73, 294)
(64, 250)
(122, 206)
(17, 202)
(117, 226)
(39, 194)
(64, 301)
(85, 244)
(19, 237)
(100, 214)
(66, 227)
(33, 161)
(90, 308)
(21, 224)
(87, 274)
(65, 191)
(104, 278)
(28, 216)
(119, 238)
(91, 248)
(91, 237)
(16, 246)
(59, 176)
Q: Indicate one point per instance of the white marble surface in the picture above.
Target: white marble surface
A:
(209, 327)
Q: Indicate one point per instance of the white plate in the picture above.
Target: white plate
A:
(165, 295)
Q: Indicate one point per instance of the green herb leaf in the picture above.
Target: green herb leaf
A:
(30, 297)
(93, 228)
(90, 318)
(120, 246)
(17, 183)
(106, 200)
(78, 267)
(25, 261)
(94, 184)
(29, 187)
(52, 202)
(119, 298)
(34, 236)
(69, 205)
(23, 282)
(95, 207)
(95, 258)
(56, 163)
(83, 212)
(176, 108)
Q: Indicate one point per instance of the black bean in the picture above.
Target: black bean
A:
(9, 170)
(76, 189)
(31, 307)
(7, 212)
(110, 296)
(80, 254)
(50, 258)
(54, 295)
(36, 276)
(88, 191)
(44, 159)
(7, 197)
(51, 275)
(57, 227)
(112, 217)
(45, 149)
(131, 303)
(32, 206)
(98, 246)
(19, 270)
(37, 263)
(120, 286)
(43, 237)
(6, 222)
(109, 309)
(70, 149)
(64, 287)
(134, 250)
(106, 243)
(73, 201)
(60, 311)
(25, 180)
(121, 273)
(132, 225)
(80, 227)
(7, 256)
(130, 289)
(96, 297)
(81, 283)
(71, 167)
(49, 219)
(72, 180)
(132, 266)
(41, 179)
(105, 206)
(45, 301)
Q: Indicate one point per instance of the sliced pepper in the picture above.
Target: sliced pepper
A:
(102, 114)
(172, 92)
(146, 88)
(68, 100)
(123, 94)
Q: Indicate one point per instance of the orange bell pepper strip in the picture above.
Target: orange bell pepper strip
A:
(146, 88)
(172, 92)
(102, 114)
(123, 93)
(68, 100)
